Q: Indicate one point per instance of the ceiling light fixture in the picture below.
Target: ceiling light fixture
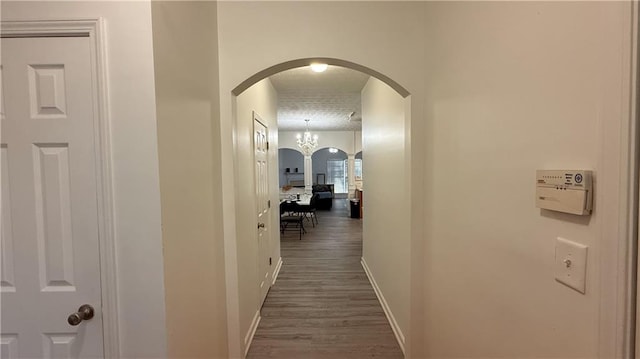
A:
(317, 67)
(333, 150)
(306, 142)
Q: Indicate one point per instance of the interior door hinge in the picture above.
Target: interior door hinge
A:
(267, 145)
(269, 260)
(269, 204)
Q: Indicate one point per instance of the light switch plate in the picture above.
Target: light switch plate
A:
(571, 264)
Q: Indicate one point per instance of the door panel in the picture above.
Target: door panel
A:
(7, 282)
(260, 140)
(1, 96)
(50, 259)
(8, 346)
(53, 217)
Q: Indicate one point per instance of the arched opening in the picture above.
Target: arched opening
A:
(385, 124)
(326, 60)
(290, 168)
(330, 164)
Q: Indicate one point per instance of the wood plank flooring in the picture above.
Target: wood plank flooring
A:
(322, 305)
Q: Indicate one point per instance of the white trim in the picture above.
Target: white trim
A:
(248, 338)
(94, 29)
(229, 193)
(624, 300)
(277, 271)
(68, 27)
(631, 326)
(383, 302)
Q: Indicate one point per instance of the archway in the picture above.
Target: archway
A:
(326, 60)
(330, 164)
(290, 168)
(391, 150)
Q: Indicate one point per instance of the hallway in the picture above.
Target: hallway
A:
(322, 305)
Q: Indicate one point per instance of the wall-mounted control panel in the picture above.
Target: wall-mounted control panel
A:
(569, 191)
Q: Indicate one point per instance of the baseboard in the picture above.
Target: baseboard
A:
(277, 271)
(250, 333)
(383, 302)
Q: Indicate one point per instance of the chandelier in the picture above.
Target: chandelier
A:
(306, 142)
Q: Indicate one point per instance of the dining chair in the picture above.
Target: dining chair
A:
(290, 215)
(309, 210)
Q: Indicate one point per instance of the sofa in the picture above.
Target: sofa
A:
(325, 195)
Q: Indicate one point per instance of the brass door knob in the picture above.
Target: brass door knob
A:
(85, 312)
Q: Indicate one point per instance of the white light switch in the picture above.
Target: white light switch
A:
(571, 264)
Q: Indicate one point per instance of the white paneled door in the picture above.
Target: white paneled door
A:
(50, 251)
(261, 146)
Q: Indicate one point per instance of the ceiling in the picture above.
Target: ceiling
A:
(325, 98)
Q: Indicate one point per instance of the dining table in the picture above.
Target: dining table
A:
(303, 200)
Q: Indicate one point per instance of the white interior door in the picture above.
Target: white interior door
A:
(50, 260)
(260, 145)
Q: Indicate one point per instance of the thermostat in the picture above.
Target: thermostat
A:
(568, 191)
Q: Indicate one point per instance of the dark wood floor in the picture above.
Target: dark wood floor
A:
(322, 305)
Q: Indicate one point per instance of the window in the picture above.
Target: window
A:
(337, 175)
(357, 169)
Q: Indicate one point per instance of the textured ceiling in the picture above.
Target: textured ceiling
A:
(325, 98)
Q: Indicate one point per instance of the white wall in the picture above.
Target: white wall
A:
(263, 99)
(516, 87)
(386, 243)
(511, 87)
(187, 104)
(135, 163)
(348, 141)
(369, 36)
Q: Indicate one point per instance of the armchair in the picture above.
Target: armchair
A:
(325, 195)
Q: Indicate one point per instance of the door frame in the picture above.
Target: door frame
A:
(627, 336)
(632, 330)
(94, 29)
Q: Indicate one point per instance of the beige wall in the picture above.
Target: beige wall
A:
(386, 236)
(263, 99)
(498, 90)
(256, 35)
(516, 87)
(187, 103)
